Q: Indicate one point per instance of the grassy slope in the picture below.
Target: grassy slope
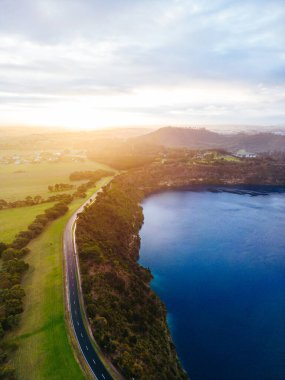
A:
(15, 220)
(44, 351)
(19, 181)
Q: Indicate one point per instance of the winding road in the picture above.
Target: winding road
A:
(74, 296)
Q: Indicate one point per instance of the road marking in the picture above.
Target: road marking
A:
(103, 376)
(78, 323)
(93, 361)
(74, 302)
(86, 348)
(81, 335)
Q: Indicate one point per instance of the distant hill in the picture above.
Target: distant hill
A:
(205, 139)
(33, 138)
(113, 141)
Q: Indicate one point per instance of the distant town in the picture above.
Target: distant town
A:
(43, 156)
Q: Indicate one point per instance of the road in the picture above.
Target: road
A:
(73, 293)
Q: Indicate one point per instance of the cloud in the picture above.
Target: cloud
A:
(207, 60)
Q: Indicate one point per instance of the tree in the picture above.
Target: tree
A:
(3, 204)
(29, 200)
(3, 246)
(38, 199)
(9, 254)
(7, 372)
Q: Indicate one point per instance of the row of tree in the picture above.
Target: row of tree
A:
(37, 226)
(12, 271)
(11, 301)
(11, 274)
(32, 201)
(80, 192)
(28, 201)
(90, 175)
(60, 187)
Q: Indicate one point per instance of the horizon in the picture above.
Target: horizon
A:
(85, 65)
(217, 128)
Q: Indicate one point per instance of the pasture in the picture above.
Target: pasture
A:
(14, 220)
(19, 181)
(44, 351)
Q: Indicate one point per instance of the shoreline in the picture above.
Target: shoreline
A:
(251, 190)
(123, 199)
(239, 189)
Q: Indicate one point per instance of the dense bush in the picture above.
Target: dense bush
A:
(90, 175)
(3, 246)
(11, 253)
(60, 187)
(36, 227)
(127, 319)
(11, 301)
(28, 201)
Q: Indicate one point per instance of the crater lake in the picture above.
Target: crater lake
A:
(218, 261)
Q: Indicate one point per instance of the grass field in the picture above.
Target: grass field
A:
(231, 158)
(15, 220)
(44, 351)
(19, 181)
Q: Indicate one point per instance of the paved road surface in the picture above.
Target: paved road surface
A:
(97, 367)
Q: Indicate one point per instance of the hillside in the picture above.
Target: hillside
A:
(205, 139)
(20, 138)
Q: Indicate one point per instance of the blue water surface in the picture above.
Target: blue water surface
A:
(218, 261)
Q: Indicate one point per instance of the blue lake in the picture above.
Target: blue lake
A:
(218, 261)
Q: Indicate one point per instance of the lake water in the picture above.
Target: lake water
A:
(218, 261)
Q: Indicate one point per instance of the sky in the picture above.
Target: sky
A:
(91, 63)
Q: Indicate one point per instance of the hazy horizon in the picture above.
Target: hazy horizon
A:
(219, 128)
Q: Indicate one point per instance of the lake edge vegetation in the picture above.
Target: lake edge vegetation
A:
(127, 319)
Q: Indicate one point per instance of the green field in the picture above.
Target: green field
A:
(44, 351)
(19, 181)
(15, 220)
(231, 158)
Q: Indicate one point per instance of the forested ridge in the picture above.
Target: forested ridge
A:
(127, 319)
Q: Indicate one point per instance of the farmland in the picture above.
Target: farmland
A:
(44, 351)
(15, 220)
(19, 181)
